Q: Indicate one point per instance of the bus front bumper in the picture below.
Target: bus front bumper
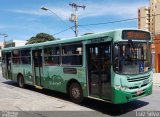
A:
(120, 96)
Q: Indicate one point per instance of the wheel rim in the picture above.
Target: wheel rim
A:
(75, 92)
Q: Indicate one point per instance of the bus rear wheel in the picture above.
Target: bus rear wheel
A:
(20, 81)
(76, 93)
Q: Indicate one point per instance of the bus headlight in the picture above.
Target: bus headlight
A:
(121, 87)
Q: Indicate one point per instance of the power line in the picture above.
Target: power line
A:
(117, 21)
(104, 23)
(63, 31)
(108, 22)
(47, 9)
(73, 5)
(88, 28)
(84, 2)
(74, 15)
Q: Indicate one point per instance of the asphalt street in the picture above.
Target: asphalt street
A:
(31, 101)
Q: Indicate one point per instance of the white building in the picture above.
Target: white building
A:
(14, 43)
(11, 43)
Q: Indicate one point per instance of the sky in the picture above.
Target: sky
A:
(22, 19)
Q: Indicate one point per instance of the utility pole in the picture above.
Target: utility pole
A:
(4, 36)
(74, 16)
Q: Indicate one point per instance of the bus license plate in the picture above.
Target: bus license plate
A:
(139, 92)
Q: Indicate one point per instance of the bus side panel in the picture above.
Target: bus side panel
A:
(25, 70)
(52, 78)
(4, 71)
(55, 78)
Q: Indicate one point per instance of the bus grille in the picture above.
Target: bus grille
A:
(137, 79)
(136, 87)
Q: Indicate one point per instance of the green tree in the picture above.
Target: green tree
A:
(40, 37)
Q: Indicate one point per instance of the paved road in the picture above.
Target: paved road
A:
(1, 78)
(13, 98)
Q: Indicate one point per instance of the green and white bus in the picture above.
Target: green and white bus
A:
(112, 66)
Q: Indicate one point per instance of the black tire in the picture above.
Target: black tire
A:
(76, 93)
(20, 81)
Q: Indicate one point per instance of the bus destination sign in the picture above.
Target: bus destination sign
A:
(135, 35)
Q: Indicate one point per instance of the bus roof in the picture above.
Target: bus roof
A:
(73, 39)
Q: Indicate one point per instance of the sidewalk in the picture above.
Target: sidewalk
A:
(156, 79)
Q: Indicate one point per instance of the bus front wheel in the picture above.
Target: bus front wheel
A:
(20, 81)
(76, 93)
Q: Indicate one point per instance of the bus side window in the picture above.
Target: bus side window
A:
(26, 56)
(51, 56)
(72, 54)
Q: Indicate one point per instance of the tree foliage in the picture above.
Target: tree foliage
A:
(40, 37)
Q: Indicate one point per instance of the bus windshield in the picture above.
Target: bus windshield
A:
(132, 57)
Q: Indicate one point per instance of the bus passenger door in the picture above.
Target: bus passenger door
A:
(37, 66)
(99, 70)
(8, 66)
